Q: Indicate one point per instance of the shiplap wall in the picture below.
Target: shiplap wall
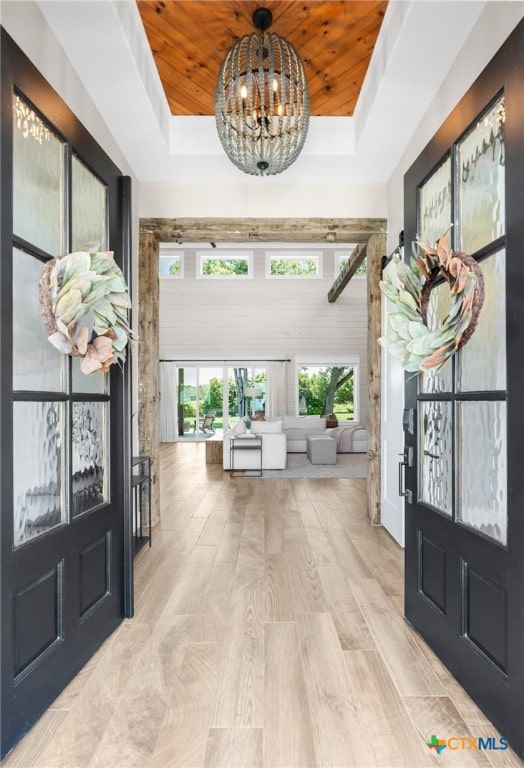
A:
(259, 318)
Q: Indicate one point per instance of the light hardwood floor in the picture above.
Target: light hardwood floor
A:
(268, 632)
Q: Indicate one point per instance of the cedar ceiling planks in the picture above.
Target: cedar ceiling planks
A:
(189, 39)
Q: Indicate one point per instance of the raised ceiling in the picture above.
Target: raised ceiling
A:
(189, 39)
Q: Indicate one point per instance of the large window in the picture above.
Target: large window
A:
(330, 388)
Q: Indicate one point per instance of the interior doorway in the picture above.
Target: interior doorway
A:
(369, 232)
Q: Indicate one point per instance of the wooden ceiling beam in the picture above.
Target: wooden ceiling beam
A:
(350, 267)
(245, 230)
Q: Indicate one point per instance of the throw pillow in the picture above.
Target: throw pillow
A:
(239, 428)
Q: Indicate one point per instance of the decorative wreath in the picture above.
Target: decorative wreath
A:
(409, 286)
(84, 302)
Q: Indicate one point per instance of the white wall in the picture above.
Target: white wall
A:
(262, 197)
(263, 318)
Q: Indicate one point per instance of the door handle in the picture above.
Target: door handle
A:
(401, 475)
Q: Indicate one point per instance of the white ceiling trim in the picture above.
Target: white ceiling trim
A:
(107, 46)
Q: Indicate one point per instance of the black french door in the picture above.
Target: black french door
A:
(65, 448)
(464, 424)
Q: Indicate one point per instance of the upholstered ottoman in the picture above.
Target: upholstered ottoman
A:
(321, 449)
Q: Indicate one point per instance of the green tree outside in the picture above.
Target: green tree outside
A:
(211, 396)
(293, 267)
(225, 267)
(327, 390)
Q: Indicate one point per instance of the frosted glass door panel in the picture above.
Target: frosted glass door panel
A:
(38, 180)
(482, 477)
(38, 469)
(37, 365)
(440, 380)
(434, 201)
(436, 461)
(481, 178)
(95, 383)
(482, 362)
(89, 207)
(89, 451)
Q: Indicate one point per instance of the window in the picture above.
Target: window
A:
(330, 388)
(170, 266)
(293, 265)
(342, 261)
(237, 265)
(228, 394)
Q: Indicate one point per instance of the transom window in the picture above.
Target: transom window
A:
(232, 265)
(171, 265)
(285, 264)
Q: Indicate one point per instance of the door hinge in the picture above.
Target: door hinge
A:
(409, 496)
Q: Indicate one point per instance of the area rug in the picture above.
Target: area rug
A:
(348, 465)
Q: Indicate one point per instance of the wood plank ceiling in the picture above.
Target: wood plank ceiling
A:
(189, 39)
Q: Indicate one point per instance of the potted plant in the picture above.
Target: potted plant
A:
(331, 421)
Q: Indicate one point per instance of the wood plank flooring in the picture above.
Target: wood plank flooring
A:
(268, 632)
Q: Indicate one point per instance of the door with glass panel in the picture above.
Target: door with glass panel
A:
(63, 434)
(464, 422)
(200, 402)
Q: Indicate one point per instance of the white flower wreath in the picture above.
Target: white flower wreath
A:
(84, 302)
(408, 286)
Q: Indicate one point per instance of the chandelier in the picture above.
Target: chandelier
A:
(262, 101)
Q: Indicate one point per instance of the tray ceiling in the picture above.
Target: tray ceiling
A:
(189, 39)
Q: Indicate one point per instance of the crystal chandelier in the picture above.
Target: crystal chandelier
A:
(262, 101)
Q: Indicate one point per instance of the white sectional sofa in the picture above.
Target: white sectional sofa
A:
(273, 446)
(289, 434)
(349, 439)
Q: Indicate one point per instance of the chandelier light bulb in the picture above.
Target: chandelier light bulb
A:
(264, 131)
